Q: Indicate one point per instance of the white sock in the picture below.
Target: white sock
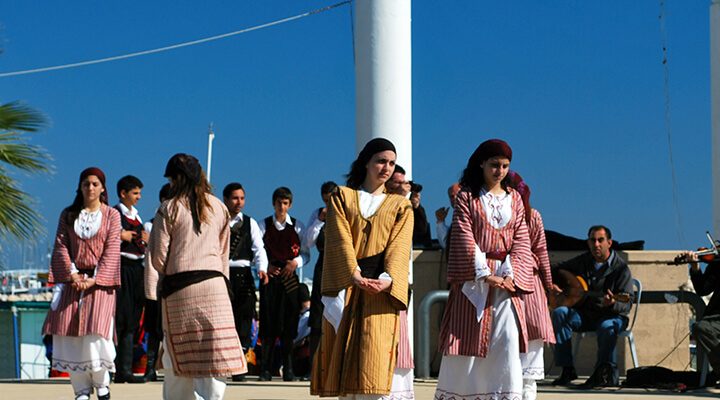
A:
(529, 389)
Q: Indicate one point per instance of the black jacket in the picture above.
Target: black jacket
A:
(708, 282)
(615, 276)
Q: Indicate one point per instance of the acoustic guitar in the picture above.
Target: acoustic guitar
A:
(575, 289)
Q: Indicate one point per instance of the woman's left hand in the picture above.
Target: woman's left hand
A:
(508, 284)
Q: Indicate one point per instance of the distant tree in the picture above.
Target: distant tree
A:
(18, 215)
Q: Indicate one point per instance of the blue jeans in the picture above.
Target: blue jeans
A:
(568, 320)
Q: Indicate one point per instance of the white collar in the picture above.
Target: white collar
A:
(288, 221)
(131, 212)
(489, 195)
(237, 218)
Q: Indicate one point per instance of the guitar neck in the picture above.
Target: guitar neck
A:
(619, 297)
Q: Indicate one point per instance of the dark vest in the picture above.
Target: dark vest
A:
(137, 245)
(283, 245)
(241, 240)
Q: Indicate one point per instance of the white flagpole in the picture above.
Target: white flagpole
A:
(211, 137)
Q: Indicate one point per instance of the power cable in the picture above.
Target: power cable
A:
(174, 46)
(668, 124)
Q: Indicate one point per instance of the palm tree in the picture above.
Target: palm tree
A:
(18, 216)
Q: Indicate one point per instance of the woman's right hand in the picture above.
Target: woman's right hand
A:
(75, 279)
(494, 281)
(359, 281)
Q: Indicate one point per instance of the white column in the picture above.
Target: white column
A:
(383, 82)
(383, 75)
(715, 111)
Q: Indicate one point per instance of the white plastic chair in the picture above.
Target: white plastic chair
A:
(626, 333)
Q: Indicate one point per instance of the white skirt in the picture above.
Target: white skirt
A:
(90, 353)
(401, 389)
(533, 364)
(495, 377)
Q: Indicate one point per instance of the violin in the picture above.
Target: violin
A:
(704, 254)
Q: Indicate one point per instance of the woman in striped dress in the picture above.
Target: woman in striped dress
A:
(364, 351)
(537, 316)
(189, 246)
(85, 269)
(483, 329)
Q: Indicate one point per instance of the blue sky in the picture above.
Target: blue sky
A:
(575, 87)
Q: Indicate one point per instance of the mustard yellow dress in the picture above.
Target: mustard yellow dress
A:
(360, 358)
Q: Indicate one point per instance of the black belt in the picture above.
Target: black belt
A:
(173, 283)
(89, 272)
(373, 266)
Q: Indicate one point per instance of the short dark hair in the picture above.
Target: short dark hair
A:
(164, 192)
(282, 193)
(328, 187)
(415, 187)
(399, 169)
(128, 183)
(231, 187)
(596, 228)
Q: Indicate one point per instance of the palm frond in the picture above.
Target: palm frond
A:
(15, 116)
(17, 153)
(18, 216)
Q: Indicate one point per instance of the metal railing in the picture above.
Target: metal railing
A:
(422, 370)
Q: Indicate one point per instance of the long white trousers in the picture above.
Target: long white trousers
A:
(184, 388)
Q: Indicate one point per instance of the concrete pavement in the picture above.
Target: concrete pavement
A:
(59, 389)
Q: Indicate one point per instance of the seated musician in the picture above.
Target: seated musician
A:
(606, 275)
(707, 330)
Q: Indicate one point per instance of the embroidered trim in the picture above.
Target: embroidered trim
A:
(536, 373)
(445, 395)
(62, 365)
(400, 395)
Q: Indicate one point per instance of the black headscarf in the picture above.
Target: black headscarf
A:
(357, 170)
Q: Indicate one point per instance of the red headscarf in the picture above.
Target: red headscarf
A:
(516, 182)
(494, 148)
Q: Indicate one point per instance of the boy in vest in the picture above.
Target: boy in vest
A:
(279, 303)
(131, 296)
(246, 249)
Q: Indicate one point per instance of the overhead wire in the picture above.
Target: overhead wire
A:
(174, 46)
(668, 122)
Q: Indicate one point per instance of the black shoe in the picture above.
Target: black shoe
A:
(150, 375)
(568, 375)
(289, 376)
(104, 397)
(238, 378)
(265, 376)
(124, 378)
(604, 376)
